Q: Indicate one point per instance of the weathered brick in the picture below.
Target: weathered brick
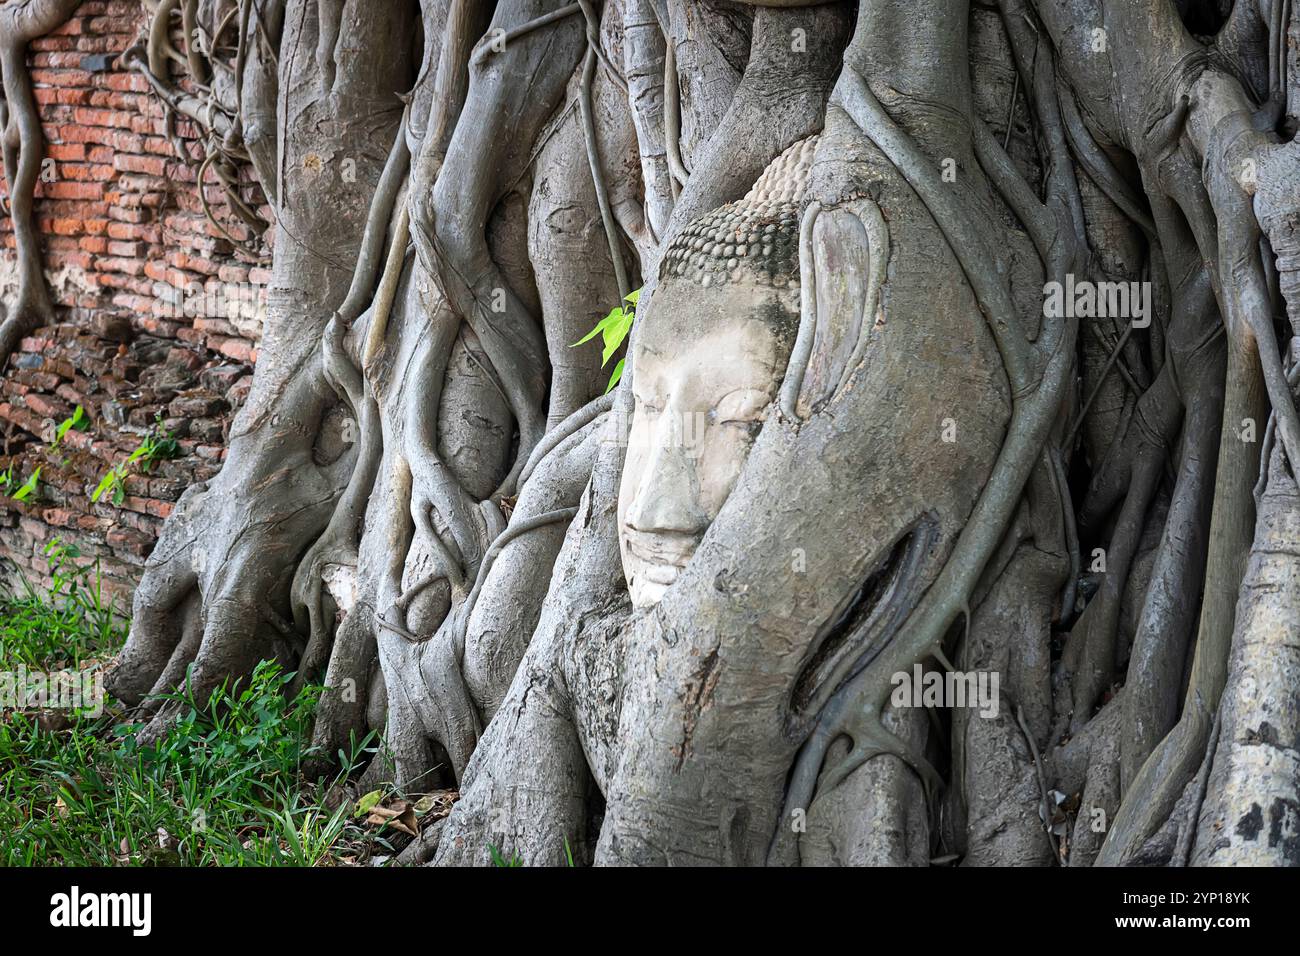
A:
(54, 94)
(71, 190)
(129, 540)
(154, 165)
(89, 116)
(71, 152)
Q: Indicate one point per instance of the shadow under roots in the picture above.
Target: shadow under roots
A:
(1204, 17)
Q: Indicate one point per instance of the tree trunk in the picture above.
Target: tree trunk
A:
(949, 375)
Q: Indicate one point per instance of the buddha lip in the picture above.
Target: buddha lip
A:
(659, 549)
(662, 574)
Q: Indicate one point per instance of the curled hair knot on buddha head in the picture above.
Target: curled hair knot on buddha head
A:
(755, 238)
(739, 241)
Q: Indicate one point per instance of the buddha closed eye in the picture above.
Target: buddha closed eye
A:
(708, 359)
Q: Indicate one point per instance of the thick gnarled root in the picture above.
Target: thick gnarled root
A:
(215, 591)
(1249, 819)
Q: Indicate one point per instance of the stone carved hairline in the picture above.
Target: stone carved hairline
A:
(755, 238)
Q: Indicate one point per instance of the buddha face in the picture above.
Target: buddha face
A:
(707, 363)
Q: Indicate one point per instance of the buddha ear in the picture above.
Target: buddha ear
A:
(843, 261)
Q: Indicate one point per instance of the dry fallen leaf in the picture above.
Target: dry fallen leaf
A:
(384, 814)
(407, 822)
(400, 814)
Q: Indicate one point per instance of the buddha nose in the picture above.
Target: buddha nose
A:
(668, 498)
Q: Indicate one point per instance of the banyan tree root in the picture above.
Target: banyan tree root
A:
(431, 482)
(1247, 816)
(713, 650)
(1099, 781)
(215, 593)
(454, 571)
(1203, 107)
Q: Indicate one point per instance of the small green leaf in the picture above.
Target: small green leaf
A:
(613, 379)
(615, 336)
(368, 801)
(25, 491)
(600, 327)
(73, 421)
(614, 330)
(105, 483)
(500, 861)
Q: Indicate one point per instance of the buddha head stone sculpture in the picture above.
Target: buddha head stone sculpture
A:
(708, 357)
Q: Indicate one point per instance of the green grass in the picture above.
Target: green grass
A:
(222, 787)
(65, 627)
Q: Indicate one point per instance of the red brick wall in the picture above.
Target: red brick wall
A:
(156, 312)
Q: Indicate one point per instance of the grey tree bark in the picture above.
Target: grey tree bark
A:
(421, 506)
